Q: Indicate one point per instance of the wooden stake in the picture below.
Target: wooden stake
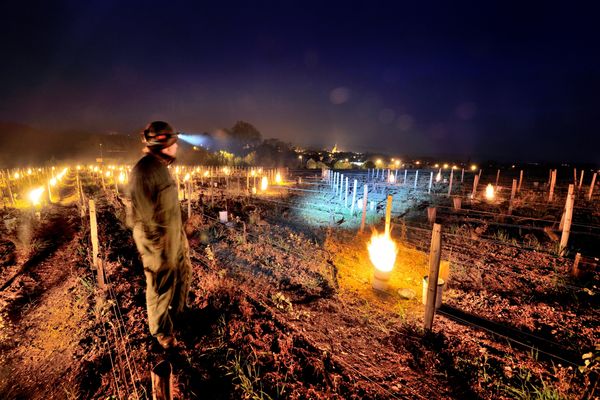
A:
(388, 215)
(162, 381)
(405, 173)
(457, 203)
(435, 253)
(513, 192)
(575, 270)
(364, 210)
(431, 214)
(552, 183)
(416, 178)
(189, 208)
(430, 182)
(591, 192)
(346, 195)
(450, 183)
(520, 181)
(497, 179)
(354, 197)
(568, 217)
(580, 181)
(94, 235)
(475, 182)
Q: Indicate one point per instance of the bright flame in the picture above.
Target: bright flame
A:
(438, 177)
(392, 178)
(489, 192)
(29, 172)
(397, 163)
(378, 162)
(36, 195)
(226, 170)
(253, 173)
(205, 173)
(437, 165)
(278, 178)
(186, 177)
(382, 252)
(253, 189)
(53, 182)
(17, 175)
(264, 183)
(107, 174)
(121, 177)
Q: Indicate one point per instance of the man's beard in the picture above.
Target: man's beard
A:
(165, 158)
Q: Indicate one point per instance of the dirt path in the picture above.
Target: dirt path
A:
(46, 314)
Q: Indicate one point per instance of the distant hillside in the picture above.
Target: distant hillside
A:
(22, 145)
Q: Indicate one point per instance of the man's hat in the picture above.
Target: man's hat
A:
(159, 135)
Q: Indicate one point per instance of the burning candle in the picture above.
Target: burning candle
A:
(264, 183)
(35, 195)
(489, 192)
(382, 252)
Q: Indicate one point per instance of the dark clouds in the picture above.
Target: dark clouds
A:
(500, 80)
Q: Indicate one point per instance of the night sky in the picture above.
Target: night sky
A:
(513, 81)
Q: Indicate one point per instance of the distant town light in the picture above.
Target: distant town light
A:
(445, 166)
(473, 167)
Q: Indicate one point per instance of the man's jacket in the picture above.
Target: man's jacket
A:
(155, 213)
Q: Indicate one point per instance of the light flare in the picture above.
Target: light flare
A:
(489, 192)
(264, 183)
(382, 251)
(35, 195)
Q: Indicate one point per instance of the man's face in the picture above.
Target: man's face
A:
(171, 150)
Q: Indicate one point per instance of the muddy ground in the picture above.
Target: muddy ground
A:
(282, 309)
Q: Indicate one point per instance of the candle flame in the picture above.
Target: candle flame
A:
(489, 192)
(35, 195)
(382, 251)
(278, 178)
(264, 183)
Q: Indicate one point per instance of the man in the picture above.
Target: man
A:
(158, 233)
